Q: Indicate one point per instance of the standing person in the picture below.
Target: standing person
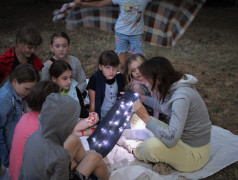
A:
(28, 39)
(184, 143)
(61, 73)
(50, 150)
(60, 46)
(29, 123)
(12, 95)
(105, 85)
(129, 27)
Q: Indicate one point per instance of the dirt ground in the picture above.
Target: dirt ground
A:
(208, 50)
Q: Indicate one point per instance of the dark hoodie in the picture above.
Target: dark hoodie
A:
(44, 155)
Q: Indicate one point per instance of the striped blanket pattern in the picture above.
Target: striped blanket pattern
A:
(165, 20)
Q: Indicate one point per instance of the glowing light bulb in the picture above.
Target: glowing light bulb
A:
(94, 139)
(122, 106)
(131, 103)
(128, 118)
(116, 123)
(125, 113)
(117, 112)
(105, 142)
(136, 94)
(103, 130)
(111, 131)
(110, 122)
(120, 129)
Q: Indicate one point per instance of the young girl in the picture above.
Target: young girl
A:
(29, 123)
(134, 79)
(105, 85)
(61, 73)
(12, 94)
(129, 26)
(60, 46)
(28, 39)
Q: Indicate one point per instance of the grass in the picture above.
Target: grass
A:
(207, 50)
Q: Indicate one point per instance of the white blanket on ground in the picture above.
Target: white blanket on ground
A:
(224, 151)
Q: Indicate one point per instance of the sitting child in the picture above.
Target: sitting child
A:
(50, 151)
(28, 38)
(29, 123)
(61, 73)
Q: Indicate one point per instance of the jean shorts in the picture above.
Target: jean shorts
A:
(133, 43)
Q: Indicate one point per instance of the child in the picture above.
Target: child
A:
(60, 46)
(29, 123)
(134, 79)
(61, 73)
(28, 39)
(105, 85)
(50, 150)
(129, 26)
(12, 94)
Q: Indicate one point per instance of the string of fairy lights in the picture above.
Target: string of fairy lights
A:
(112, 126)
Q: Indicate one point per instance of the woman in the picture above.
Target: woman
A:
(184, 143)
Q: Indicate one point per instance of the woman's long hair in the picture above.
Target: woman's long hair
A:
(159, 68)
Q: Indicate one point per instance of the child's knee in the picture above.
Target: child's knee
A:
(94, 156)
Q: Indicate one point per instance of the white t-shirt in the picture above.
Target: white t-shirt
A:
(131, 18)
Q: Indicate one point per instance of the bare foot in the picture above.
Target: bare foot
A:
(162, 168)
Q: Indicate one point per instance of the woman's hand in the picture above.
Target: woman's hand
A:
(141, 111)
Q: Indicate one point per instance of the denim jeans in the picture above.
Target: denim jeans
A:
(132, 42)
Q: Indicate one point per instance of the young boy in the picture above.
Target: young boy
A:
(28, 38)
(50, 151)
(105, 85)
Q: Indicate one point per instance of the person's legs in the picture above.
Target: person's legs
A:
(121, 43)
(93, 162)
(89, 162)
(181, 157)
(136, 44)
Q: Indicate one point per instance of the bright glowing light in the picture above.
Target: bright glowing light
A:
(94, 139)
(120, 129)
(136, 94)
(122, 106)
(103, 130)
(117, 112)
(125, 113)
(105, 142)
(116, 123)
(131, 103)
(110, 122)
(111, 131)
(128, 118)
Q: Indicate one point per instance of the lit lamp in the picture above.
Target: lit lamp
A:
(113, 124)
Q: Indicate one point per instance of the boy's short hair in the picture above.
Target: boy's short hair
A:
(29, 35)
(39, 92)
(110, 58)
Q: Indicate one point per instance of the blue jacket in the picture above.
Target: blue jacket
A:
(10, 113)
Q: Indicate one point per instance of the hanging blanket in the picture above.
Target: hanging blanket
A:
(165, 20)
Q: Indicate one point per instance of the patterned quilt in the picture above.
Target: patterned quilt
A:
(165, 20)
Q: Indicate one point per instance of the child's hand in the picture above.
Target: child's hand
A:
(141, 111)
